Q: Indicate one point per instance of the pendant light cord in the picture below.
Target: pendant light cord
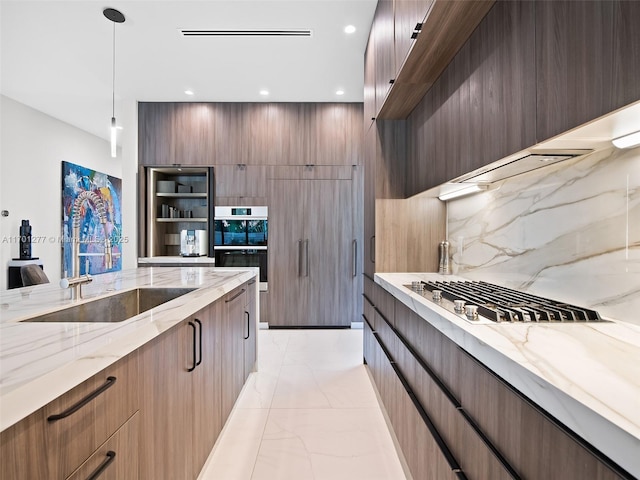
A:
(113, 84)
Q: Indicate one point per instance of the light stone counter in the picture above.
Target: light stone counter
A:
(585, 375)
(40, 361)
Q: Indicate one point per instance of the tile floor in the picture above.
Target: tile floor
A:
(310, 412)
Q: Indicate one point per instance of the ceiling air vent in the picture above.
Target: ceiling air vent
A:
(263, 32)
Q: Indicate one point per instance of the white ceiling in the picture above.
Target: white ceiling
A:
(56, 56)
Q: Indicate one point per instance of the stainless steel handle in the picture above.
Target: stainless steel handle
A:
(299, 258)
(354, 249)
(306, 254)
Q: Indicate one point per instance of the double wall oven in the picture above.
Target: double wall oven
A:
(241, 238)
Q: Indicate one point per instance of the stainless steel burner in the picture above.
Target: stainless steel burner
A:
(500, 304)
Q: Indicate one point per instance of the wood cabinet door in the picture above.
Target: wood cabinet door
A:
(233, 327)
(288, 278)
(370, 82)
(587, 61)
(385, 64)
(115, 459)
(369, 202)
(250, 330)
(407, 14)
(206, 382)
(330, 246)
(166, 421)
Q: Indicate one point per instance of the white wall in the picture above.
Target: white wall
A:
(32, 148)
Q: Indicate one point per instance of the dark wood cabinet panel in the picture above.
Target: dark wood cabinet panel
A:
(587, 61)
(233, 328)
(482, 107)
(407, 14)
(369, 82)
(369, 201)
(311, 251)
(385, 64)
(531, 442)
(250, 133)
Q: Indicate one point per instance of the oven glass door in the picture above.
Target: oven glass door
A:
(257, 232)
(244, 258)
(230, 232)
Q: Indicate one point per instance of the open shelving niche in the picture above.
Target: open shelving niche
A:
(163, 237)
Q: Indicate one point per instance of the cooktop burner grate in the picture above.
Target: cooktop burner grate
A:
(501, 304)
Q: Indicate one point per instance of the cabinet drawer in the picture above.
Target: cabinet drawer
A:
(115, 459)
(83, 418)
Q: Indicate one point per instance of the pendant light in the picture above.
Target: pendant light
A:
(116, 17)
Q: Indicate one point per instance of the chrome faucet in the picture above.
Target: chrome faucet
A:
(76, 281)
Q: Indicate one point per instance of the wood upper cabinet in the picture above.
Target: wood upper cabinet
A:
(249, 133)
(408, 14)
(482, 108)
(385, 63)
(370, 82)
(587, 61)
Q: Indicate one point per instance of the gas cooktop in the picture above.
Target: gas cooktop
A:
(482, 301)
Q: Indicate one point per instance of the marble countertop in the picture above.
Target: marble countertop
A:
(177, 259)
(40, 361)
(585, 375)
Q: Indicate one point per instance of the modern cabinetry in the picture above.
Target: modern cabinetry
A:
(478, 423)
(115, 459)
(587, 61)
(385, 64)
(250, 334)
(369, 96)
(57, 439)
(480, 109)
(233, 333)
(173, 199)
(311, 248)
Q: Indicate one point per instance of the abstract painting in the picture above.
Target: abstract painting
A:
(93, 200)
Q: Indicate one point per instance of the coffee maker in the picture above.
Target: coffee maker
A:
(193, 243)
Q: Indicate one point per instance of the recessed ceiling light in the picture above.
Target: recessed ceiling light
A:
(340, 92)
(349, 29)
(188, 92)
(264, 92)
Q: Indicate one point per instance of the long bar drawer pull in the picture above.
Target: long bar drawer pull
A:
(235, 296)
(111, 456)
(74, 408)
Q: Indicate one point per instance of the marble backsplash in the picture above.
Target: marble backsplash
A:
(570, 232)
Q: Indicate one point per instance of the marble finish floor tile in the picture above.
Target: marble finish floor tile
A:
(310, 412)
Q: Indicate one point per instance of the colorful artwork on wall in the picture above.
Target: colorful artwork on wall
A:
(93, 201)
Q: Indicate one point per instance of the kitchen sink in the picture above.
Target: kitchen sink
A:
(115, 308)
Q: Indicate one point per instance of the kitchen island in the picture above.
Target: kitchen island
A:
(585, 375)
(42, 362)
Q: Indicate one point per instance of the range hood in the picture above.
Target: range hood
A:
(593, 136)
(522, 162)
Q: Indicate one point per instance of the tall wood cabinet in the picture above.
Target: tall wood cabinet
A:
(311, 242)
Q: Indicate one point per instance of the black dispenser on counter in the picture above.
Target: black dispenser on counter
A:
(25, 240)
